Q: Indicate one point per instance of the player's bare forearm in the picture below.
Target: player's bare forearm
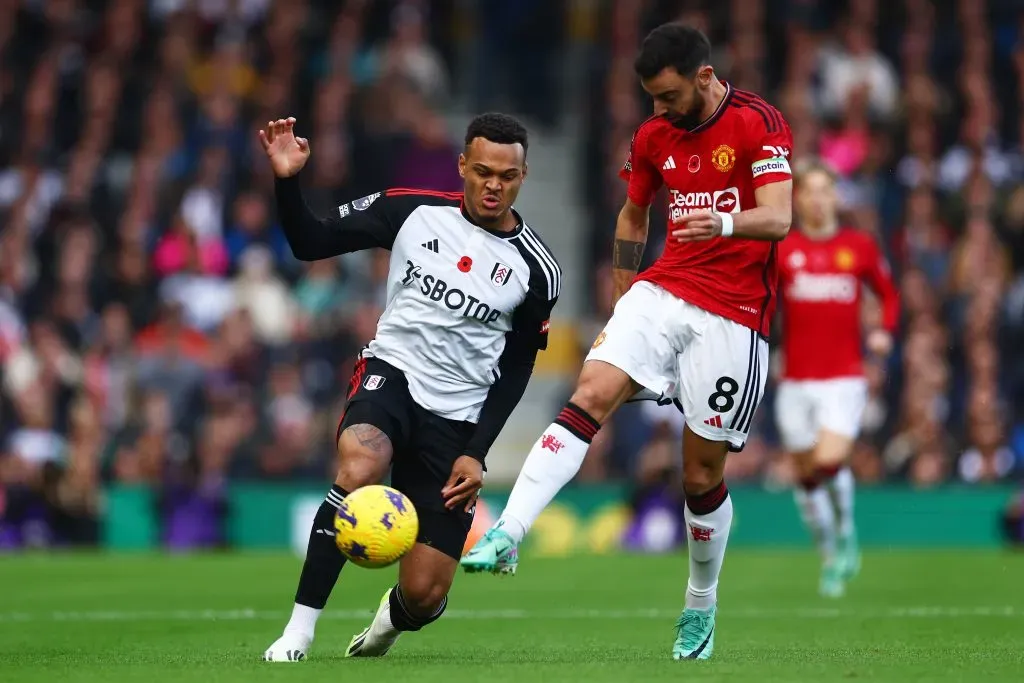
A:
(766, 223)
(628, 249)
(769, 220)
(627, 255)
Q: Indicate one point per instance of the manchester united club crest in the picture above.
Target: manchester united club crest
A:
(500, 274)
(844, 259)
(723, 158)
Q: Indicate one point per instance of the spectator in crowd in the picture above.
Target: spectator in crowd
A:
(155, 328)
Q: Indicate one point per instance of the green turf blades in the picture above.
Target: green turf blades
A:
(912, 616)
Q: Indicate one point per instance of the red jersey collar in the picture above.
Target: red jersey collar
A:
(709, 121)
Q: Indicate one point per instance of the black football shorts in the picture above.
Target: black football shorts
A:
(425, 447)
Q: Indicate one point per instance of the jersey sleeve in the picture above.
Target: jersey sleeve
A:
(643, 178)
(771, 147)
(365, 223)
(532, 319)
(529, 334)
(878, 277)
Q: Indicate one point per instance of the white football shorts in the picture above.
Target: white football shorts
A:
(714, 367)
(803, 408)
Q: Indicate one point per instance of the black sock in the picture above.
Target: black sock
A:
(323, 559)
(403, 620)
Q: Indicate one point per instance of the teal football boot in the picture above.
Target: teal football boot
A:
(696, 639)
(831, 583)
(496, 553)
(848, 553)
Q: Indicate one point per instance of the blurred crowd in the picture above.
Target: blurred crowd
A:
(156, 330)
(918, 105)
(154, 327)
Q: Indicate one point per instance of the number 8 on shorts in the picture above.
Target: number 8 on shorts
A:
(715, 367)
(723, 400)
(722, 374)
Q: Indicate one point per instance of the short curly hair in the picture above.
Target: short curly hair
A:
(673, 45)
(500, 128)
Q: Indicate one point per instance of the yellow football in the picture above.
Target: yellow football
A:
(375, 526)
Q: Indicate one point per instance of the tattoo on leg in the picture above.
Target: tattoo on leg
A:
(627, 255)
(371, 438)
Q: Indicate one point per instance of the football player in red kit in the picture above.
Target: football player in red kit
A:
(693, 326)
(823, 393)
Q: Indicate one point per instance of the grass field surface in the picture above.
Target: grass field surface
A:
(910, 616)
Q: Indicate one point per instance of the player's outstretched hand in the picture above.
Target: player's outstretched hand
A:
(697, 226)
(287, 153)
(465, 483)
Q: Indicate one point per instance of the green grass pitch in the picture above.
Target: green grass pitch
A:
(910, 616)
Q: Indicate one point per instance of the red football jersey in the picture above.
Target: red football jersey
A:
(820, 286)
(744, 145)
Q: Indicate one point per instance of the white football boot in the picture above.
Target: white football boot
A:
(380, 636)
(290, 647)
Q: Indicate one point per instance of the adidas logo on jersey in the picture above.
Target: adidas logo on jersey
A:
(715, 421)
(670, 164)
(431, 245)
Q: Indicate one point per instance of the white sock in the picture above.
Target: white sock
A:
(706, 538)
(303, 621)
(382, 626)
(816, 510)
(552, 463)
(840, 490)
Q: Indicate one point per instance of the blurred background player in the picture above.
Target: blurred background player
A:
(822, 395)
(693, 326)
(470, 289)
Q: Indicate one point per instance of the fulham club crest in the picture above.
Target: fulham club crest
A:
(373, 382)
(500, 274)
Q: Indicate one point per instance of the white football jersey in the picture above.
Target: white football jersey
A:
(454, 291)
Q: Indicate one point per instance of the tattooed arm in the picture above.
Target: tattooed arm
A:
(628, 251)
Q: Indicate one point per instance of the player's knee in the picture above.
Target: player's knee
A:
(596, 395)
(588, 398)
(832, 449)
(703, 463)
(697, 481)
(424, 595)
(700, 475)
